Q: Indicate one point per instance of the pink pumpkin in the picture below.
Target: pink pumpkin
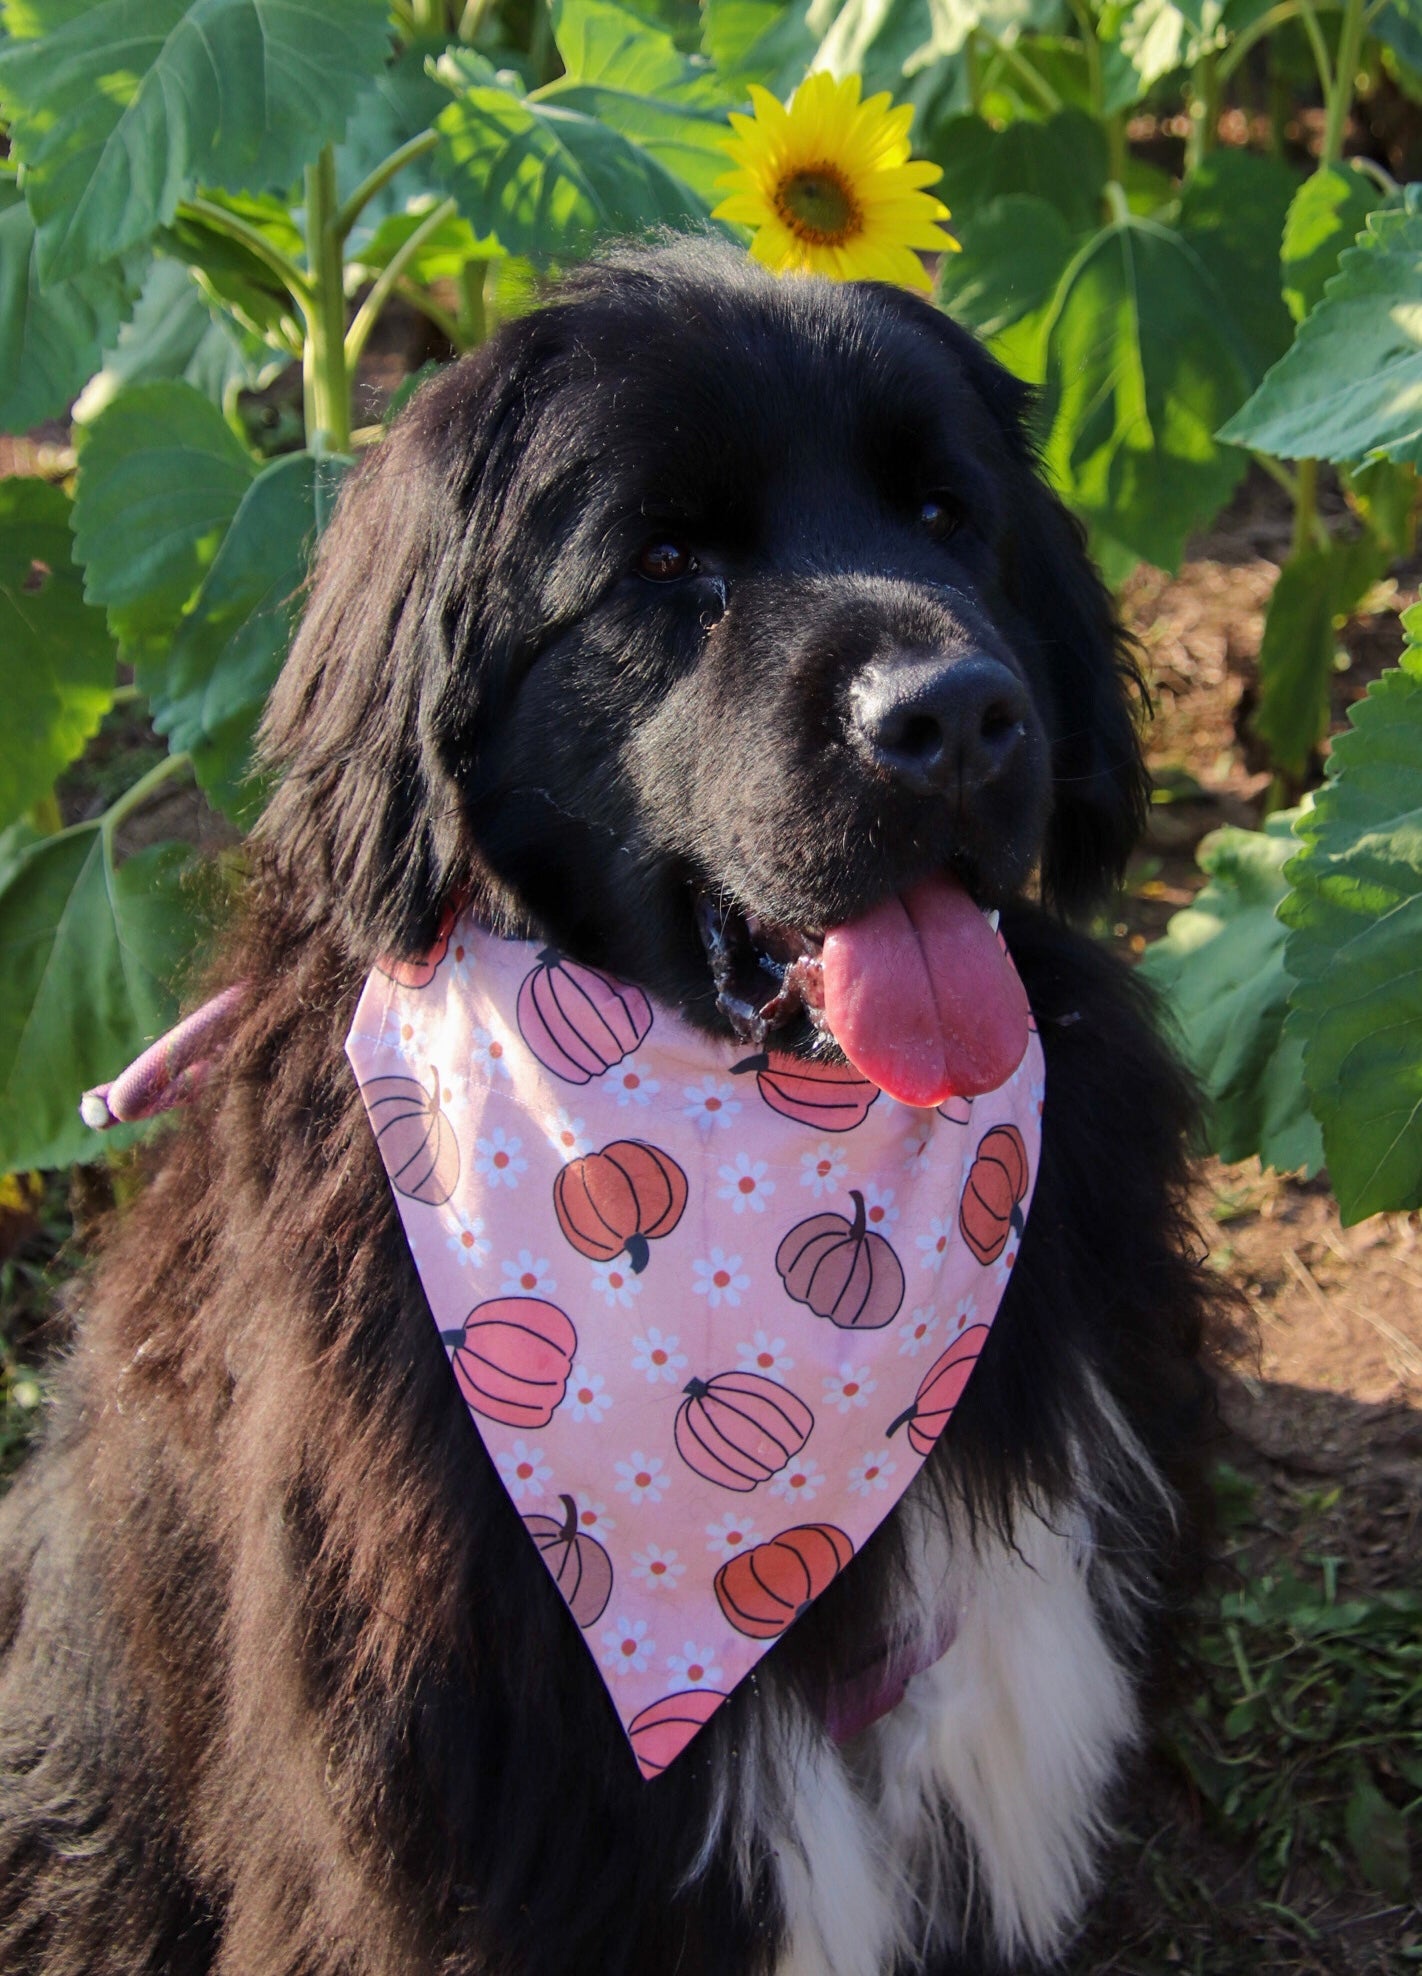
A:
(578, 1022)
(663, 1730)
(417, 1141)
(512, 1357)
(940, 1390)
(738, 1428)
(831, 1097)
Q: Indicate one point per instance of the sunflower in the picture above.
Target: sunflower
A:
(829, 187)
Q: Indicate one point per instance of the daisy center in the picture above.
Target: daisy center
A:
(818, 207)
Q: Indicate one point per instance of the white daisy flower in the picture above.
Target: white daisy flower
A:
(871, 1472)
(614, 1283)
(879, 1209)
(454, 1101)
(585, 1398)
(626, 1648)
(914, 1148)
(933, 1246)
(595, 1518)
(822, 1168)
(461, 959)
(527, 1276)
(467, 1239)
(500, 1158)
(490, 1053)
(965, 1314)
(695, 1667)
(915, 1336)
(762, 1353)
(711, 1103)
(630, 1083)
(730, 1533)
(720, 1279)
(849, 1387)
(656, 1568)
(744, 1185)
(800, 1481)
(642, 1478)
(524, 1470)
(658, 1357)
(569, 1135)
(404, 1033)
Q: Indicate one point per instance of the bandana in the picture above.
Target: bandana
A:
(709, 1312)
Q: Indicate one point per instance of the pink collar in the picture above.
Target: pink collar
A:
(709, 1315)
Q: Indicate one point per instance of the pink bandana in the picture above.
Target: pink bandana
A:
(709, 1313)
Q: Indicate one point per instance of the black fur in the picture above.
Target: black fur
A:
(284, 1686)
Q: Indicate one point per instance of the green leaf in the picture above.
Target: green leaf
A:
(89, 958)
(228, 649)
(51, 336)
(1351, 386)
(1221, 968)
(1356, 946)
(1377, 1832)
(545, 180)
(1327, 214)
(238, 283)
(441, 255)
(402, 100)
(59, 658)
(120, 108)
(1015, 250)
(1233, 208)
(173, 333)
(1142, 366)
(1316, 590)
(1062, 160)
(161, 475)
(760, 41)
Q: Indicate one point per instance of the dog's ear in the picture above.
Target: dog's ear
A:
(1099, 782)
(386, 676)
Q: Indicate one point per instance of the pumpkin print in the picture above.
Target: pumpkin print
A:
(940, 1390)
(762, 1590)
(990, 1209)
(831, 1097)
(420, 973)
(841, 1271)
(958, 1111)
(578, 1022)
(739, 1428)
(581, 1568)
(663, 1730)
(621, 1198)
(512, 1357)
(417, 1141)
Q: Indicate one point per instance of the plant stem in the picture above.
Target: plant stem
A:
(1035, 84)
(973, 62)
(369, 310)
(45, 815)
(1204, 109)
(325, 369)
(1345, 74)
(1116, 203)
(135, 797)
(427, 16)
(473, 322)
(1091, 44)
(1322, 61)
(1305, 506)
(444, 322)
(540, 41)
(1230, 58)
(219, 220)
(349, 213)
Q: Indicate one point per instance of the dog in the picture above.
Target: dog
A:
(694, 584)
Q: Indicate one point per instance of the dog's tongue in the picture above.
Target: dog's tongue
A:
(922, 999)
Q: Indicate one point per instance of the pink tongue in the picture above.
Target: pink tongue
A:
(922, 999)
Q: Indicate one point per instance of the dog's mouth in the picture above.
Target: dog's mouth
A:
(917, 992)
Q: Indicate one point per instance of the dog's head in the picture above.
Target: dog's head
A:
(697, 613)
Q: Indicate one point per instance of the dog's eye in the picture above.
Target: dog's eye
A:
(665, 561)
(941, 514)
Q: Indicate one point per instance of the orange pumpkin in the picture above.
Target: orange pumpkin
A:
(990, 1209)
(417, 1141)
(618, 1199)
(738, 1428)
(663, 1729)
(832, 1097)
(841, 1271)
(577, 1021)
(763, 1589)
(581, 1568)
(941, 1389)
(512, 1357)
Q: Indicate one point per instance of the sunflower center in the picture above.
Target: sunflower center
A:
(818, 207)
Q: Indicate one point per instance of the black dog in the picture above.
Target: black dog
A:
(695, 585)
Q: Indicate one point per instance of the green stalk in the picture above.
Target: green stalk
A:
(381, 290)
(45, 815)
(218, 220)
(135, 797)
(1204, 109)
(325, 373)
(1305, 506)
(473, 322)
(1092, 46)
(1340, 99)
(1034, 83)
(349, 213)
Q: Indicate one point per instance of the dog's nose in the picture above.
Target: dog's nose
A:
(947, 727)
